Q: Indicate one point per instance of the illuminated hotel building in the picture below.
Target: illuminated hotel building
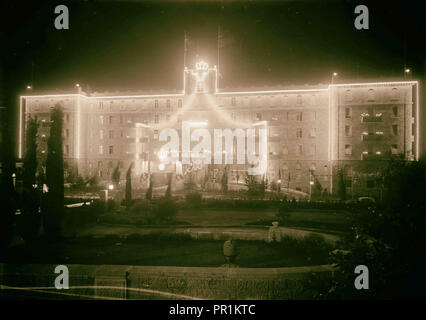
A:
(311, 131)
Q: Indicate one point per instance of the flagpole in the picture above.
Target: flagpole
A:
(219, 36)
(184, 49)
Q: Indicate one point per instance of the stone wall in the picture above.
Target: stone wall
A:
(141, 282)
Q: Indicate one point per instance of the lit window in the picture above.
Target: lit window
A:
(348, 131)
(101, 119)
(348, 95)
(313, 132)
(395, 129)
(285, 101)
(285, 150)
(101, 134)
(101, 149)
(299, 116)
(395, 111)
(348, 113)
(370, 95)
(348, 149)
(312, 150)
(394, 94)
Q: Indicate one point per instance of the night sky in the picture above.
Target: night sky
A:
(138, 45)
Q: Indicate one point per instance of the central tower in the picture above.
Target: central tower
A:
(201, 80)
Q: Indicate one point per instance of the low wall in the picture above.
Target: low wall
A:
(144, 282)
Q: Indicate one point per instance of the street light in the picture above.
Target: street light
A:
(407, 72)
(29, 87)
(310, 189)
(77, 85)
(335, 74)
(111, 187)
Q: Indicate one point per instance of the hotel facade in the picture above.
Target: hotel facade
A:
(312, 132)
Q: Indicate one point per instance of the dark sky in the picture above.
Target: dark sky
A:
(136, 45)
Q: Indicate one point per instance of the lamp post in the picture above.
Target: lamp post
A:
(335, 74)
(407, 73)
(310, 189)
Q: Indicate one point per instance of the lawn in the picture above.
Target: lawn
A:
(209, 217)
(155, 250)
(301, 218)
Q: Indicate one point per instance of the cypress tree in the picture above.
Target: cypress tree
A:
(54, 207)
(29, 222)
(129, 185)
(30, 160)
(169, 185)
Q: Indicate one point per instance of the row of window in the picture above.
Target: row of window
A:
(371, 131)
(156, 104)
(370, 112)
(394, 95)
(370, 151)
(272, 100)
(122, 121)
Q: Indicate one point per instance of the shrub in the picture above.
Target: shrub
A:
(283, 212)
(194, 199)
(165, 210)
(140, 206)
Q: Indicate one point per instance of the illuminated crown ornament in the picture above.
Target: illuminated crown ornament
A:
(201, 65)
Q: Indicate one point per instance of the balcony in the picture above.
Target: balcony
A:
(367, 118)
(372, 156)
(372, 137)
